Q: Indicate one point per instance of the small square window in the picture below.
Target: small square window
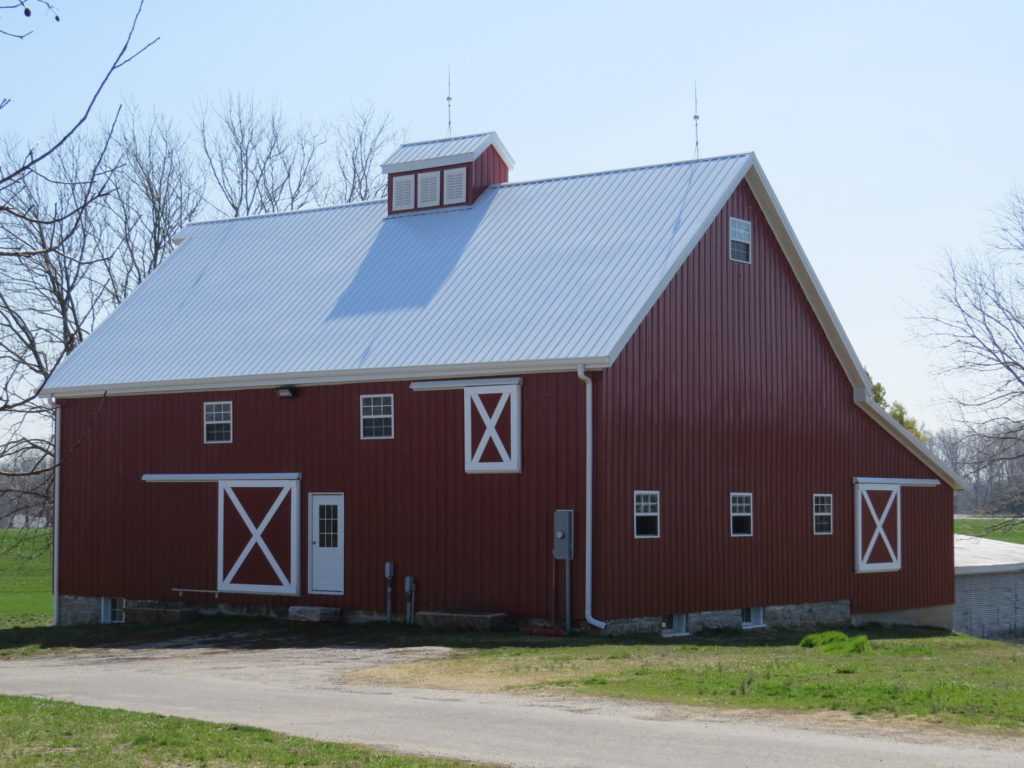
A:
(112, 610)
(752, 618)
(377, 417)
(676, 625)
(821, 511)
(739, 240)
(646, 514)
(741, 514)
(217, 422)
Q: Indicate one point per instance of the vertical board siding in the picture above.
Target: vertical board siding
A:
(730, 385)
(471, 541)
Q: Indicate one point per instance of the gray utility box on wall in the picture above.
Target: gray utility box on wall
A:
(563, 534)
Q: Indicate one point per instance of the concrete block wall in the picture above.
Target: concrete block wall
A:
(990, 604)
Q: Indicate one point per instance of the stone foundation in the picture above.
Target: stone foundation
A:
(805, 615)
(72, 609)
(934, 616)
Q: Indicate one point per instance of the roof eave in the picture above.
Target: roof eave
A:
(323, 378)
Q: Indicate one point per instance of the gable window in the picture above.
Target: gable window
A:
(646, 514)
(454, 186)
(112, 610)
(492, 426)
(821, 509)
(402, 192)
(376, 417)
(741, 514)
(752, 618)
(428, 189)
(217, 422)
(739, 240)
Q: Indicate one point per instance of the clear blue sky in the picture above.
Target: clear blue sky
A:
(889, 130)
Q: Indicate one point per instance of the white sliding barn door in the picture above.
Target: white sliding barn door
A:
(258, 536)
(878, 528)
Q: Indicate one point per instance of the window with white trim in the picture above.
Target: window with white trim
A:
(492, 428)
(740, 239)
(428, 189)
(646, 514)
(376, 417)
(454, 186)
(821, 511)
(402, 192)
(752, 618)
(112, 610)
(741, 514)
(217, 426)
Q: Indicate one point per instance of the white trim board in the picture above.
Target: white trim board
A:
(906, 482)
(200, 477)
(431, 386)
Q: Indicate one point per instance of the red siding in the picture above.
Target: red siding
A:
(730, 385)
(486, 170)
(471, 541)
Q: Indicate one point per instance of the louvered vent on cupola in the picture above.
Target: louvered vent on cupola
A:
(444, 173)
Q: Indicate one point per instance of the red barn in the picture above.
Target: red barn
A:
(292, 401)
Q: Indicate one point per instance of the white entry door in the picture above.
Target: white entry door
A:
(327, 543)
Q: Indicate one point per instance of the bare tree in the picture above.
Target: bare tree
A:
(359, 147)
(158, 189)
(257, 162)
(978, 322)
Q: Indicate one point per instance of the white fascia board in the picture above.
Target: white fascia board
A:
(206, 477)
(272, 381)
(430, 386)
(680, 258)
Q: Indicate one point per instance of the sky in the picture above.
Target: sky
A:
(890, 131)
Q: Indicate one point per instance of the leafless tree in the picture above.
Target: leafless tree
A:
(48, 296)
(978, 323)
(158, 188)
(257, 161)
(360, 145)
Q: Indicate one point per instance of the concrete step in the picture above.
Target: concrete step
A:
(316, 613)
(474, 621)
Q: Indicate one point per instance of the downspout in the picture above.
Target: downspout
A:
(56, 517)
(589, 603)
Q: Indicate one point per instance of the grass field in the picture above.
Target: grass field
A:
(36, 733)
(25, 583)
(991, 529)
(949, 679)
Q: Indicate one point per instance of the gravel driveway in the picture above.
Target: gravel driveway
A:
(302, 691)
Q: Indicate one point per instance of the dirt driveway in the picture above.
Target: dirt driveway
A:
(303, 691)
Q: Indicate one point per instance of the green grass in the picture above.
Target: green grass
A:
(992, 529)
(953, 680)
(37, 732)
(25, 583)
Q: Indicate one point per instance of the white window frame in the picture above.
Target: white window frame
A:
(676, 625)
(420, 179)
(733, 514)
(756, 620)
(749, 241)
(363, 417)
(656, 514)
(112, 610)
(403, 178)
(230, 422)
(511, 455)
(815, 514)
(452, 173)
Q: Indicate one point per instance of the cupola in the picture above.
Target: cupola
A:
(443, 173)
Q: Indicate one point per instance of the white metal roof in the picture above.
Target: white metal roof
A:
(437, 152)
(973, 554)
(533, 276)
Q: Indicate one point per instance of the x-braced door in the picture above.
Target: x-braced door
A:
(258, 536)
(878, 528)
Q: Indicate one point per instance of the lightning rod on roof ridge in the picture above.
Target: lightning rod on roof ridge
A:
(451, 126)
(696, 124)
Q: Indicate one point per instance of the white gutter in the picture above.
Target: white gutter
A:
(589, 609)
(56, 519)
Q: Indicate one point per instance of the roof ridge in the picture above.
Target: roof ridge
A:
(271, 214)
(446, 138)
(625, 170)
(497, 186)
